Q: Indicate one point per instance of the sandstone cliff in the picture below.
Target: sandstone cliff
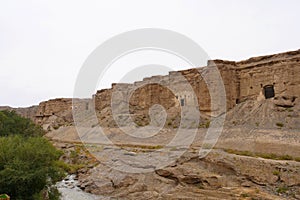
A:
(258, 79)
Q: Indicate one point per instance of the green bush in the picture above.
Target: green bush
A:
(276, 173)
(27, 165)
(12, 124)
(27, 160)
(69, 168)
(282, 190)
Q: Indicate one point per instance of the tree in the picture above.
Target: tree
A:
(27, 160)
(11, 124)
(27, 165)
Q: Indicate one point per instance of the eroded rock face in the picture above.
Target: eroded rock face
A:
(231, 170)
(275, 76)
(58, 112)
(228, 176)
(285, 101)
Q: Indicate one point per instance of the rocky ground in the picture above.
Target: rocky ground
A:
(244, 164)
(257, 156)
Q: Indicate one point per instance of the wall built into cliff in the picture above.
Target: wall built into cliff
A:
(244, 80)
(273, 76)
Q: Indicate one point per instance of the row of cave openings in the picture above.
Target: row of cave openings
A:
(268, 92)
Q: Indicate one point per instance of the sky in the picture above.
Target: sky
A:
(43, 44)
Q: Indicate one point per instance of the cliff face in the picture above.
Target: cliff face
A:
(273, 76)
(29, 112)
(281, 71)
(54, 113)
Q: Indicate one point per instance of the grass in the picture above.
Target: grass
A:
(141, 146)
(207, 146)
(262, 155)
(73, 154)
(242, 153)
(244, 195)
(276, 173)
(282, 190)
(139, 123)
(204, 125)
(3, 196)
(74, 158)
(69, 168)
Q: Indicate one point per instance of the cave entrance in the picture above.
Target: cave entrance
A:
(182, 102)
(269, 91)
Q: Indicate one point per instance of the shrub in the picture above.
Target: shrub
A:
(204, 125)
(27, 160)
(207, 124)
(262, 155)
(12, 124)
(285, 157)
(244, 195)
(276, 173)
(27, 165)
(282, 190)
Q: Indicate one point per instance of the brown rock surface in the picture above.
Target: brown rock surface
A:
(244, 80)
(263, 104)
(219, 175)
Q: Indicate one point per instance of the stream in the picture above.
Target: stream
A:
(70, 191)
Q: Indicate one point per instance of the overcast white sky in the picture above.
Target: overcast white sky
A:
(44, 43)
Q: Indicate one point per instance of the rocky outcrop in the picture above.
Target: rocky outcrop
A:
(229, 177)
(54, 113)
(259, 78)
(262, 99)
(29, 112)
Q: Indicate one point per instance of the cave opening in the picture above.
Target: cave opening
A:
(182, 102)
(269, 91)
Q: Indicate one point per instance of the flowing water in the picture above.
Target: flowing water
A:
(70, 191)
